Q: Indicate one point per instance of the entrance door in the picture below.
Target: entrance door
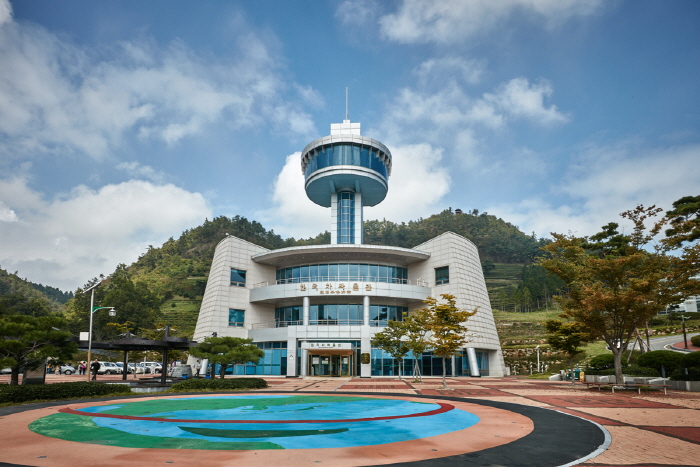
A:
(330, 365)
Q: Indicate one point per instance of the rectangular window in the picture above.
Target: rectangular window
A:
(442, 275)
(238, 277)
(236, 317)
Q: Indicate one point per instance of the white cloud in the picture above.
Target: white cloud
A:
(608, 181)
(293, 213)
(357, 12)
(521, 99)
(7, 214)
(417, 185)
(59, 98)
(68, 240)
(137, 170)
(453, 21)
(469, 71)
(5, 12)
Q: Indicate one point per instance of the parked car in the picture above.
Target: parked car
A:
(6, 371)
(109, 368)
(130, 367)
(67, 370)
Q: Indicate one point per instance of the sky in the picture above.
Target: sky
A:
(124, 123)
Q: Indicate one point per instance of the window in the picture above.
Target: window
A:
(442, 275)
(346, 217)
(236, 317)
(238, 277)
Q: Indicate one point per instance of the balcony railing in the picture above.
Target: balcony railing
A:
(317, 322)
(305, 280)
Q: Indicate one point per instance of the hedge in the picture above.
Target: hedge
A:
(671, 361)
(695, 340)
(691, 360)
(219, 384)
(37, 392)
(693, 375)
(632, 370)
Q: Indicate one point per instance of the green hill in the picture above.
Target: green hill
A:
(21, 296)
(177, 271)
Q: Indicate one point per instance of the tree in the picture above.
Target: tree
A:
(447, 330)
(133, 301)
(684, 220)
(416, 325)
(566, 337)
(228, 351)
(27, 341)
(487, 266)
(392, 341)
(617, 282)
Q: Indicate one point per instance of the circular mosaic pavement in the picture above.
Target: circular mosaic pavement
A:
(296, 429)
(254, 422)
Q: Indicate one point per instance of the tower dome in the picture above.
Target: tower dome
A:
(346, 171)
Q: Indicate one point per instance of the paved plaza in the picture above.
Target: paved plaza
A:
(522, 422)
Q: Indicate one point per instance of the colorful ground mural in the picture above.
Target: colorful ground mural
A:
(254, 422)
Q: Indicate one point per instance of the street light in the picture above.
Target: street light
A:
(93, 309)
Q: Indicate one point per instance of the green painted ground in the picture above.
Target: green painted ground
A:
(82, 429)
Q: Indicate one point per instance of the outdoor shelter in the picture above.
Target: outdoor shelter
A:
(139, 344)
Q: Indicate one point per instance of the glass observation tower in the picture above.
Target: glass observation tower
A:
(346, 171)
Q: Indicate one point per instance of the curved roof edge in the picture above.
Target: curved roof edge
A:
(335, 252)
(448, 233)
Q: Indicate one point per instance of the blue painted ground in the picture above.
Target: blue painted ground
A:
(291, 435)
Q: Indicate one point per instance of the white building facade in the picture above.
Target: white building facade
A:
(313, 310)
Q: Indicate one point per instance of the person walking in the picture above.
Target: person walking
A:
(94, 368)
(197, 367)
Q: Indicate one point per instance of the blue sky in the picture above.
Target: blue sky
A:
(124, 123)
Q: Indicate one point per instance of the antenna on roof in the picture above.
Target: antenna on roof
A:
(346, 104)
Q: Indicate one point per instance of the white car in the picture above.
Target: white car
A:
(66, 370)
(109, 368)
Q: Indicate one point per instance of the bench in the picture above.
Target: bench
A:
(628, 385)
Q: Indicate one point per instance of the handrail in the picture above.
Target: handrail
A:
(364, 280)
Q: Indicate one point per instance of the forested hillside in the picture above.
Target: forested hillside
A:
(498, 241)
(20, 296)
(167, 282)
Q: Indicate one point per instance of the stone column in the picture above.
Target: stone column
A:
(305, 305)
(473, 363)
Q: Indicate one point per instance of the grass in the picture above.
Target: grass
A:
(183, 315)
(540, 375)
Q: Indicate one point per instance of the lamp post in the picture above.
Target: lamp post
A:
(685, 338)
(93, 309)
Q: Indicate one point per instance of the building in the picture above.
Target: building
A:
(314, 309)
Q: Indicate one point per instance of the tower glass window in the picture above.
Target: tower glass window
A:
(238, 277)
(342, 272)
(236, 317)
(346, 217)
(442, 275)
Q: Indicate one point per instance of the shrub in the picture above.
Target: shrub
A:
(656, 321)
(691, 360)
(669, 360)
(37, 392)
(601, 362)
(693, 375)
(216, 384)
(695, 340)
